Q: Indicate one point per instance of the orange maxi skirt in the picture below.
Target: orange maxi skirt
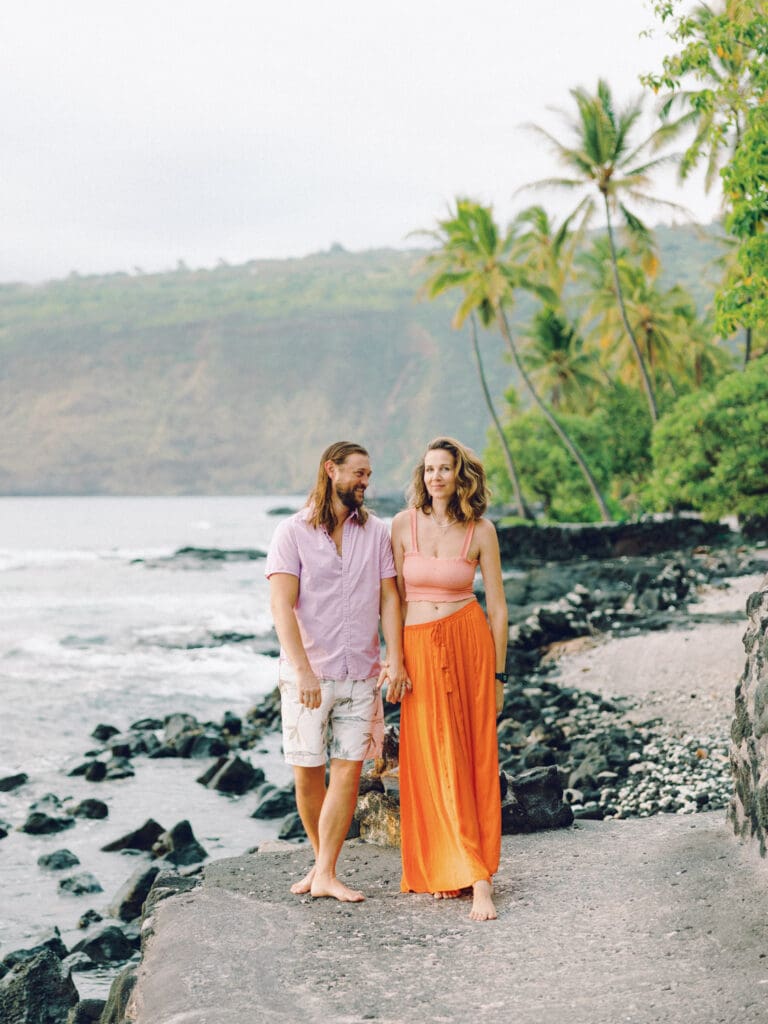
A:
(450, 804)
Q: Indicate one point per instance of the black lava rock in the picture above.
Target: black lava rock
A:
(37, 991)
(129, 900)
(58, 860)
(80, 884)
(106, 945)
(142, 838)
(274, 803)
(11, 782)
(179, 846)
(91, 808)
(292, 828)
(232, 775)
(39, 823)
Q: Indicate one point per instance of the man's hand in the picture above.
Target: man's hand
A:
(308, 685)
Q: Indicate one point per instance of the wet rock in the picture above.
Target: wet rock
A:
(133, 743)
(80, 884)
(265, 716)
(179, 846)
(58, 860)
(39, 823)
(207, 744)
(107, 945)
(292, 828)
(88, 918)
(119, 768)
(95, 771)
(5, 828)
(103, 732)
(50, 941)
(130, 898)
(119, 996)
(147, 725)
(91, 808)
(11, 782)
(37, 991)
(378, 817)
(87, 1011)
(142, 838)
(76, 962)
(274, 803)
(232, 724)
(232, 775)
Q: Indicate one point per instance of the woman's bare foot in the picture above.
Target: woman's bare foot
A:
(447, 894)
(305, 885)
(483, 908)
(330, 886)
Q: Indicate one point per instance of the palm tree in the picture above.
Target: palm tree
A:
(675, 344)
(558, 362)
(520, 505)
(474, 257)
(603, 157)
(547, 249)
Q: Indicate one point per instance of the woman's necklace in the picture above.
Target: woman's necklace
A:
(442, 526)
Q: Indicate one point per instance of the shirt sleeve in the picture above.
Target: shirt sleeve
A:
(386, 558)
(283, 554)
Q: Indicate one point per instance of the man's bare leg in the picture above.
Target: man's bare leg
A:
(335, 816)
(310, 794)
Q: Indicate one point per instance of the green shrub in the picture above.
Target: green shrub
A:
(710, 453)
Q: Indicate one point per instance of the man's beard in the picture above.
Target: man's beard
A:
(349, 497)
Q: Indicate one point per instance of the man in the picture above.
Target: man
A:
(332, 576)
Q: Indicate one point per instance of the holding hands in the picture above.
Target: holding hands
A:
(396, 678)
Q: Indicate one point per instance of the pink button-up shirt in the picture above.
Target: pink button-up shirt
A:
(338, 604)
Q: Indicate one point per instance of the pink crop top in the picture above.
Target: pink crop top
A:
(438, 579)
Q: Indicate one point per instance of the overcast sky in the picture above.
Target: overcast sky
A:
(139, 133)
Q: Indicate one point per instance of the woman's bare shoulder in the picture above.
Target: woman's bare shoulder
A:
(485, 532)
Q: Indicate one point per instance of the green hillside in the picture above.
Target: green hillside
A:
(232, 380)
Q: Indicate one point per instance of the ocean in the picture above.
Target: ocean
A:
(98, 623)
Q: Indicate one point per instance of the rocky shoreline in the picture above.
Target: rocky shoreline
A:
(566, 752)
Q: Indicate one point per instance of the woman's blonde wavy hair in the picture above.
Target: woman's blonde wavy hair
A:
(472, 493)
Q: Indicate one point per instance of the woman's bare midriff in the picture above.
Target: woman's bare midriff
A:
(419, 612)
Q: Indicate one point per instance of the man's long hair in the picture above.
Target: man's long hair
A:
(472, 493)
(320, 497)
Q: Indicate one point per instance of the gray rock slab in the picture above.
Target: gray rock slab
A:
(640, 921)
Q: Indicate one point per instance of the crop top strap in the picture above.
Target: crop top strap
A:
(468, 540)
(414, 539)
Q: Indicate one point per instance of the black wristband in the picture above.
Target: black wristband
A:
(502, 677)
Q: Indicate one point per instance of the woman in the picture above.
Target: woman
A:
(455, 658)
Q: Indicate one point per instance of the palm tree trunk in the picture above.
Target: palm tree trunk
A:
(520, 505)
(647, 386)
(747, 345)
(551, 419)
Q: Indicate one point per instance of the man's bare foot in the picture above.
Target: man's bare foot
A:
(483, 908)
(335, 889)
(305, 885)
(447, 894)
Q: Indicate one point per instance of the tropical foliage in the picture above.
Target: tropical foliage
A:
(627, 360)
(709, 452)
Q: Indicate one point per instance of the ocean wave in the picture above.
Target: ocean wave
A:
(35, 558)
